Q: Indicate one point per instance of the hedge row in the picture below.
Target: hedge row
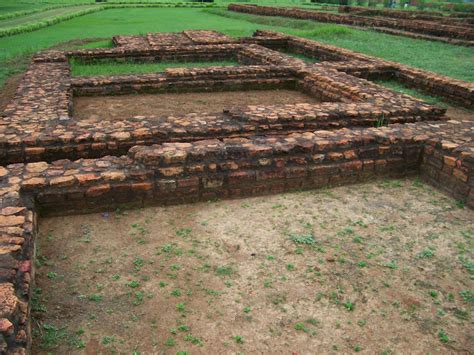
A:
(9, 15)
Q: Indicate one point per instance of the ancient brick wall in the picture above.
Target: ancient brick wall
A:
(434, 29)
(361, 131)
(457, 91)
(404, 14)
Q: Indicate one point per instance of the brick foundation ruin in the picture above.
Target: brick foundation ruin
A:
(452, 30)
(53, 164)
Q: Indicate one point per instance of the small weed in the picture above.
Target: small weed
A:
(138, 298)
(301, 327)
(349, 305)
(167, 248)
(391, 265)
(184, 232)
(138, 263)
(175, 267)
(183, 328)
(426, 253)
(389, 228)
(228, 283)
(52, 275)
(461, 314)
(303, 239)
(290, 267)
(176, 292)
(107, 340)
(170, 342)
(467, 295)
(95, 298)
(193, 339)
(443, 337)
(52, 336)
(238, 339)
(224, 270)
(345, 232)
(133, 284)
(181, 307)
(467, 264)
(357, 239)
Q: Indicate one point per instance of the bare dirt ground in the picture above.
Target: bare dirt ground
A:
(99, 108)
(9, 89)
(460, 113)
(380, 267)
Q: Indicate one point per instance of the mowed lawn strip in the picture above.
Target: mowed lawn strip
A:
(116, 68)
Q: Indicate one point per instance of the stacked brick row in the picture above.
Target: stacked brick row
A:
(403, 14)
(43, 95)
(137, 42)
(417, 26)
(165, 53)
(392, 31)
(241, 151)
(185, 80)
(361, 65)
(56, 138)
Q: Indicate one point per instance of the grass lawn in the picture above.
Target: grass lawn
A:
(116, 68)
(400, 87)
(14, 50)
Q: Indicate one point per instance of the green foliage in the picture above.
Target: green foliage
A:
(403, 89)
(307, 239)
(349, 305)
(467, 295)
(52, 336)
(95, 298)
(224, 270)
(443, 337)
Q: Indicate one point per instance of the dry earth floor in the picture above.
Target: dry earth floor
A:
(97, 108)
(376, 267)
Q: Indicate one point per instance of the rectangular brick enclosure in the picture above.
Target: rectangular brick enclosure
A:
(351, 131)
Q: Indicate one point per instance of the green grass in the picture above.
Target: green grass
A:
(400, 87)
(454, 61)
(99, 43)
(442, 58)
(116, 68)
